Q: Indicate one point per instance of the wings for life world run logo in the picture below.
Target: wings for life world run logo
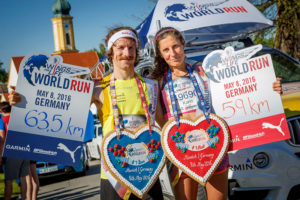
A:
(184, 12)
(52, 65)
(40, 69)
(221, 65)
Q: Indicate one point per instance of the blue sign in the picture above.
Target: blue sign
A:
(49, 124)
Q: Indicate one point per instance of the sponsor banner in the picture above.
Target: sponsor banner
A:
(192, 11)
(204, 18)
(54, 106)
(43, 148)
(257, 132)
(243, 96)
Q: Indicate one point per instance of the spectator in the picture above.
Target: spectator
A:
(13, 168)
(34, 181)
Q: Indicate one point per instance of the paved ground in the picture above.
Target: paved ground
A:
(73, 187)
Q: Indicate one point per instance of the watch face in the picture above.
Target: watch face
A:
(66, 25)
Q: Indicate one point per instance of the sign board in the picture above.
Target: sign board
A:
(243, 96)
(50, 121)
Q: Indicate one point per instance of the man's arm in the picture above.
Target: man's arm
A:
(14, 97)
(97, 96)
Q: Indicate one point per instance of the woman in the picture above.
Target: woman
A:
(170, 67)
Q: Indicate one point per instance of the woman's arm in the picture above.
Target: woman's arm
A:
(277, 86)
(159, 115)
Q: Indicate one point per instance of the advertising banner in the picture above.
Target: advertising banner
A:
(204, 20)
(49, 123)
(243, 96)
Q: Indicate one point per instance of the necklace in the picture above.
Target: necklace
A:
(173, 96)
(184, 74)
(115, 106)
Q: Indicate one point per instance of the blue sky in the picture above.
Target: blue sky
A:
(26, 25)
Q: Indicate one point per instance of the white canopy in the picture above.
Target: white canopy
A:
(203, 21)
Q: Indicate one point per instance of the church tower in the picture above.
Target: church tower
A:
(62, 27)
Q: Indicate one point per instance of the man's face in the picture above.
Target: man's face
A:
(124, 53)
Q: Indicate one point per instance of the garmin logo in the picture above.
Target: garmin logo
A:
(18, 148)
(242, 167)
(45, 152)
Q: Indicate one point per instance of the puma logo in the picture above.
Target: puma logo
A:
(61, 146)
(271, 126)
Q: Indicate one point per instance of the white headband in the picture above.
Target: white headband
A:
(121, 34)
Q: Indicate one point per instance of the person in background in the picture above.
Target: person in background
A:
(34, 181)
(13, 168)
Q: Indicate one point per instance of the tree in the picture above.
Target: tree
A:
(101, 51)
(287, 37)
(3, 74)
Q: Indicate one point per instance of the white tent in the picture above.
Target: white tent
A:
(203, 21)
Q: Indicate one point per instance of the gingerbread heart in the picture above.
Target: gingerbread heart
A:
(135, 159)
(196, 147)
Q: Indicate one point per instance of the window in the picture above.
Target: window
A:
(68, 39)
(294, 128)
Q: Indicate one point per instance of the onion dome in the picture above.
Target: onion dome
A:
(61, 8)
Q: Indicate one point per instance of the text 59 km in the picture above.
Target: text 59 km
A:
(244, 106)
(55, 123)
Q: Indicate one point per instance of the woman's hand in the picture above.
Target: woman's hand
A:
(14, 97)
(277, 86)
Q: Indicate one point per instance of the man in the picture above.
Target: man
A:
(13, 168)
(122, 51)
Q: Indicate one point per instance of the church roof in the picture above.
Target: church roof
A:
(4, 96)
(61, 8)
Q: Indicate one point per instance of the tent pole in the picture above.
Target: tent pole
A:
(158, 25)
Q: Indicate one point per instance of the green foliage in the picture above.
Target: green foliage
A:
(3, 74)
(16, 188)
(288, 10)
(263, 6)
(101, 51)
(288, 27)
(265, 37)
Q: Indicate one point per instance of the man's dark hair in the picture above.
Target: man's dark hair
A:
(5, 107)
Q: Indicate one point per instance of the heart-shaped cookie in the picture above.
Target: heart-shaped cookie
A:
(196, 147)
(135, 159)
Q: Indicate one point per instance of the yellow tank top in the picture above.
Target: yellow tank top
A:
(129, 103)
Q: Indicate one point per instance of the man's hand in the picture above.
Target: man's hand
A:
(96, 97)
(14, 97)
(277, 87)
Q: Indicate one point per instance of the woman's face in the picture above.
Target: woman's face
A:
(172, 51)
